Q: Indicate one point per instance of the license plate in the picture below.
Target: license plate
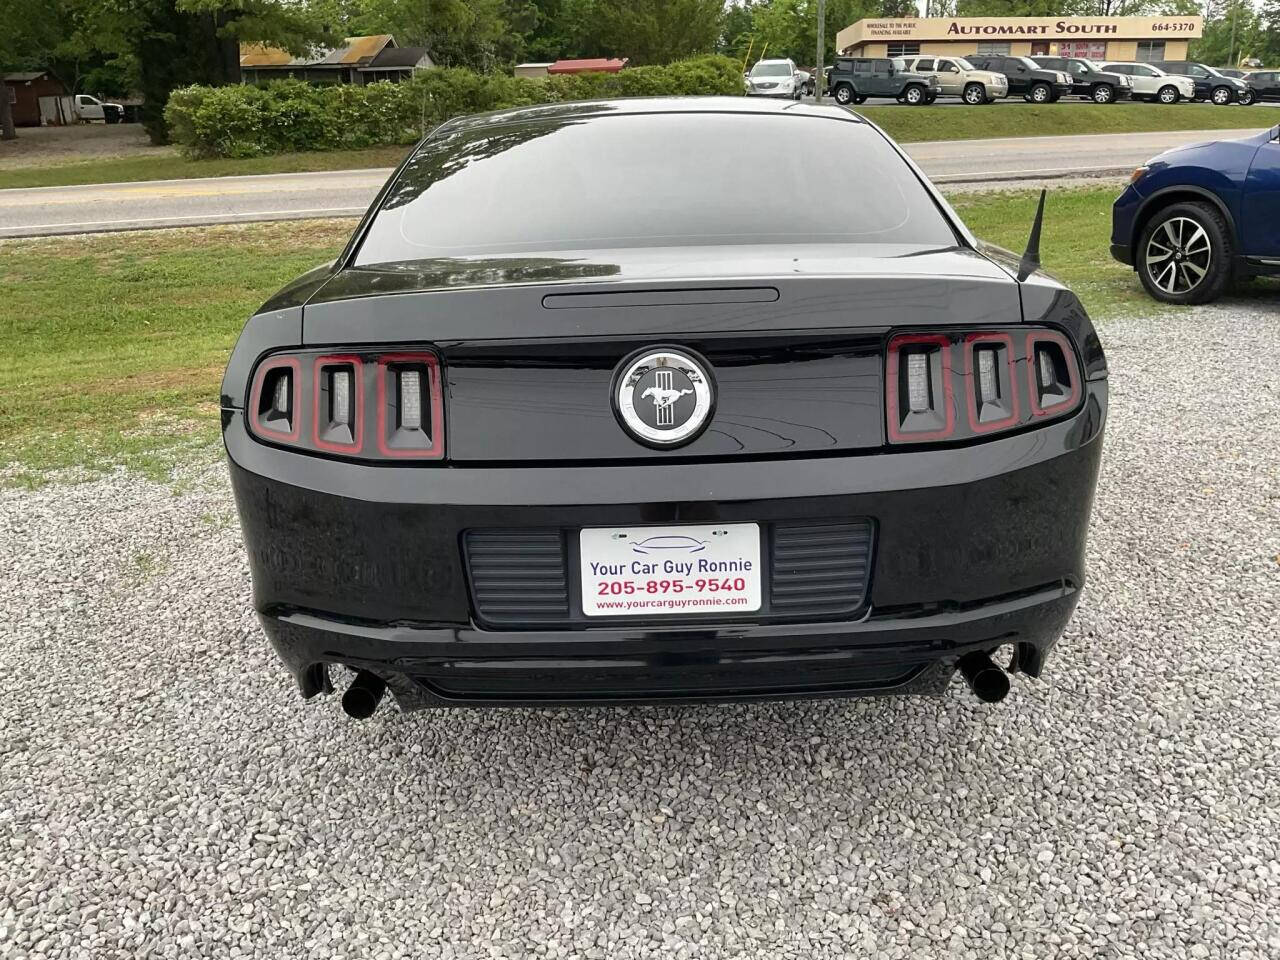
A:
(647, 571)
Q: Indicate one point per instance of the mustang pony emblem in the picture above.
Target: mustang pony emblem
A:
(663, 398)
(679, 387)
(664, 395)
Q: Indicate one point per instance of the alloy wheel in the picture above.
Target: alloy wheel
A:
(1168, 95)
(913, 95)
(843, 95)
(1178, 255)
(973, 94)
(1102, 94)
(1246, 98)
(1040, 93)
(1221, 96)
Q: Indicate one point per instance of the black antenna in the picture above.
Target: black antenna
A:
(1031, 259)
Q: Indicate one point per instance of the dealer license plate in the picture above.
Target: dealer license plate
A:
(644, 571)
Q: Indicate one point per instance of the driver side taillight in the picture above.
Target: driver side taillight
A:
(358, 405)
(274, 400)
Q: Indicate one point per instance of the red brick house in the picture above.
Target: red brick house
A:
(24, 91)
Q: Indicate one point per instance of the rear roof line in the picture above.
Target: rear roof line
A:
(587, 109)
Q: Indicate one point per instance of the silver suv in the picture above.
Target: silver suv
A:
(959, 78)
(774, 78)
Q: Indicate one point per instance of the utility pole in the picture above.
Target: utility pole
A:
(1231, 57)
(822, 50)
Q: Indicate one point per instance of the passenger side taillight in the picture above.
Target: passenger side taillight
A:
(920, 394)
(361, 405)
(963, 385)
(992, 394)
(1054, 380)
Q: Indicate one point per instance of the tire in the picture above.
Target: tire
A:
(1102, 93)
(915, 95)
(1221, 96)
(1246, 99)
(1040, 93)
(859, 99)
(930, 98)
(843, 94)
(1185, 254)
(974, 94)
(1168, 94)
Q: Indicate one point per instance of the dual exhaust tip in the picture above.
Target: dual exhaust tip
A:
(363, 696)
(988, 682)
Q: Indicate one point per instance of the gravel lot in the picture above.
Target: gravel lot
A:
(164, 793)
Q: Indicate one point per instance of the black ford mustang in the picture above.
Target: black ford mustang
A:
(597, 407)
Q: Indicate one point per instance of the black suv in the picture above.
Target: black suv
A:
(1088, 80)
(1264, 85)
(1210, 84)
(853, 79)
(1027, 79)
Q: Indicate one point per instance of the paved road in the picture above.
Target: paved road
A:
(176, 203)
(171, 203)
(1038, 158)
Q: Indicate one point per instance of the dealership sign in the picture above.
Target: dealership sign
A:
(1012, 28)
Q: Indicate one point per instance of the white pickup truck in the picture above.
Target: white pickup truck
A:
(81, 108)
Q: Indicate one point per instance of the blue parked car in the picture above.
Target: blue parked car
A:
(1195, 217)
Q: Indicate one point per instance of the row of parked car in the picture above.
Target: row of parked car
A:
(920, 80)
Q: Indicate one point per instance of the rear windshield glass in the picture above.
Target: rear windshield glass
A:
(648, 180)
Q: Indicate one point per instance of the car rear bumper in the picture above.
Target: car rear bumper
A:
(975, 548)
(467, 666)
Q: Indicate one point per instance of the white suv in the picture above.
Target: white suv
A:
(1152, 83)
(775, 78)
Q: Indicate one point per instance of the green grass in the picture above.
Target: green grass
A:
(1060, 119)
(1073, 247)
(904, 124)
(133, 169)
(113, 346)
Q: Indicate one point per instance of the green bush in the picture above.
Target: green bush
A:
(289, 115)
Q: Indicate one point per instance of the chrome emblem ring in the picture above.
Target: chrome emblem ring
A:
(663, 396)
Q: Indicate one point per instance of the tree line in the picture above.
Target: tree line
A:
(151, 47)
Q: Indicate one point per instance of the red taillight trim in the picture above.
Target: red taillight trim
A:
(255, 398)
(1073, 375)
(432, 363)
(896, 343)
(970, 342)
(357, 386)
